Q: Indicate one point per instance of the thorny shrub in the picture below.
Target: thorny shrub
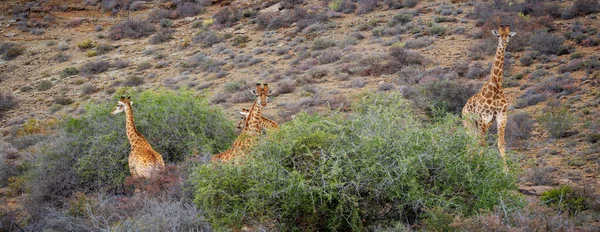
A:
(380, 166)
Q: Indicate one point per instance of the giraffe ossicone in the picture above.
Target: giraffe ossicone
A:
(143, 160)
(490, 102)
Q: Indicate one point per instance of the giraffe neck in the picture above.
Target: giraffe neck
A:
(497, 70)
(132, 134)
(254, 116)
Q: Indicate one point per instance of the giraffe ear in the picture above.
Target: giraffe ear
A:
(495, 33)
(270, 92)
(512, 34)
(130, 102)
(253, 92)
(244, 114)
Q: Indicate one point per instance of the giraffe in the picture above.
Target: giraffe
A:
(265, 123)
(490, 102)
(252, 126)
(143, 160)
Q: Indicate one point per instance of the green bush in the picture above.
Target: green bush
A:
(565, 199)
(557, 121)
(69, 71)
(378, 167)
(90, 152)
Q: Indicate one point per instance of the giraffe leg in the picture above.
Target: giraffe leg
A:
(483, 127)
(470, 123)
(501, 119)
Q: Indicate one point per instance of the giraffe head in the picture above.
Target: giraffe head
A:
(122, 104)
(245, 112)
(503, 33)
(262, 92)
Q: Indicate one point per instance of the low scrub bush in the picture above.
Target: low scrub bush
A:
(94, 67)
(69, 71)
(44, 85)
(90, 152)
(207, 38)
(567, 199)
(190, 8)
(556, 121)
(518, 127)
(547, 43)
(322, 44)
(344, 6)
(581, 8)
(227, 16)
(86, 44)
(205, 63)
(132, 29)
(530, 218)
(7, 102)
(243, 61)
(379, 166)
(143, 66)
(163, 35)
(562, 85)
(399, 19)
(540, 175)
(478, 70)
(133, 81)
(62, 57)
(389, 63)
(445, 96)
(366, 6)
(482, 49)
(420, 42)
(10, 51)
(285, 86)
(529, 99)
(240, 40)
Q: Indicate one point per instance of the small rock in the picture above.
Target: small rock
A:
(534, 190)
(381, 82)
(12, 21)
(241, 31)
(189, 19)
(273, 8)
(10, 34)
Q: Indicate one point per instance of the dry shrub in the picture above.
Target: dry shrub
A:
(227, 16)
(133, 29)
(95, 67)
(531, 218)
(7, 102)
(163, 35)
(163, 184)
(285, 86)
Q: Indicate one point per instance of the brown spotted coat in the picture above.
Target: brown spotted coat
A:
(481, 109)
(143, 160)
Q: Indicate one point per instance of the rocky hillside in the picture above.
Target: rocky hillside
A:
(59, 56)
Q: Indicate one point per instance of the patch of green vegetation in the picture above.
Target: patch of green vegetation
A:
(564, 199)
(557, 121)
(380, 166)
(69, 71)
(90, 152)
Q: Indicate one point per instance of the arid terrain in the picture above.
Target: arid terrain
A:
(59, 57)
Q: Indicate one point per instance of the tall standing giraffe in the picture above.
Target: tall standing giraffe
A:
(143, 160)
(252, 127)
(265, 123)
(490, 102)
